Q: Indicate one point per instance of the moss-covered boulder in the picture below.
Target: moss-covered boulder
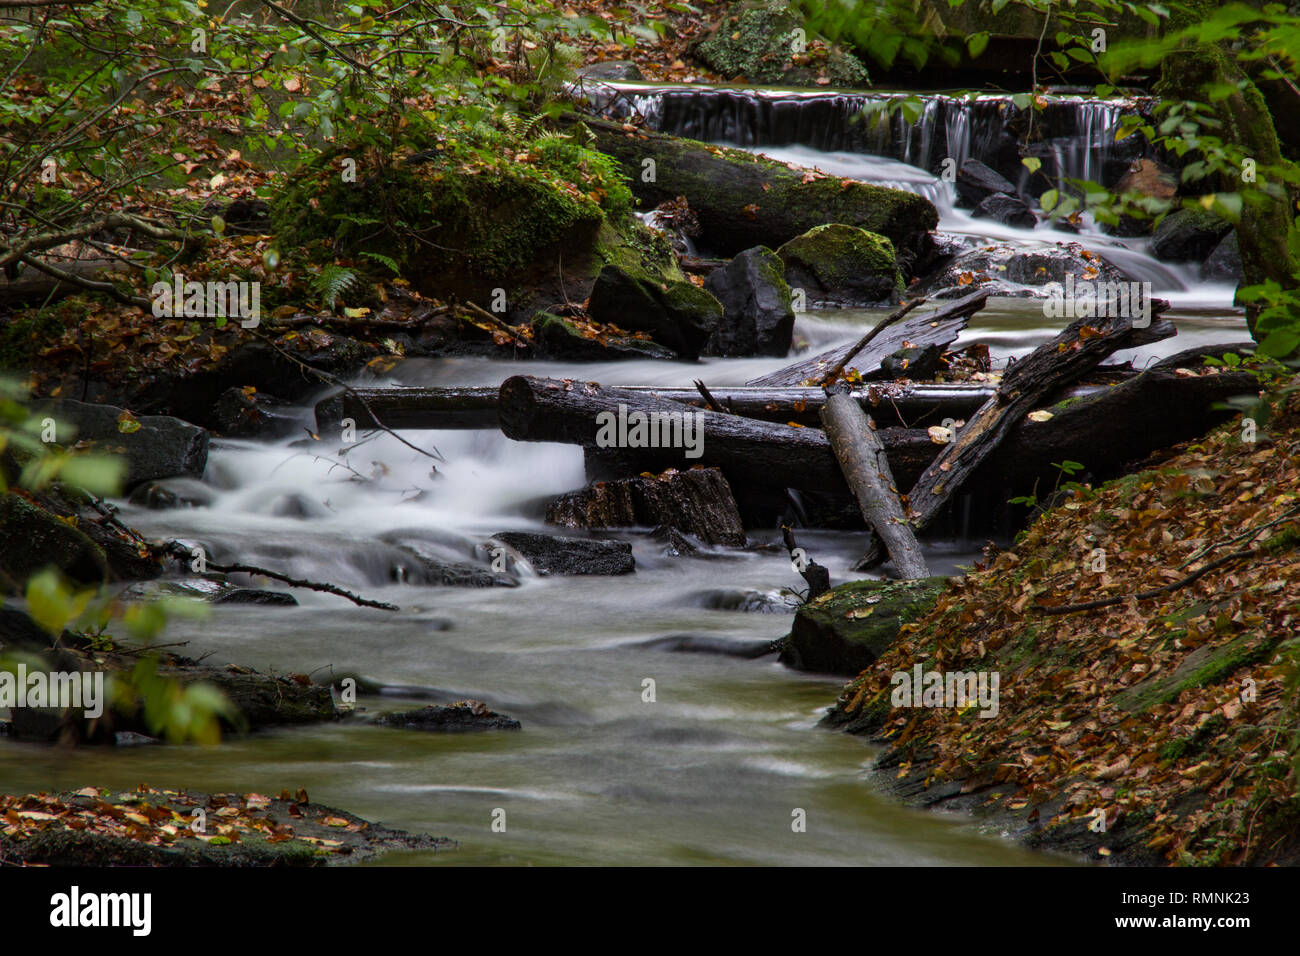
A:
(841, 265)
(758, 317)
(1188, 235)
(32, 539)
(674, 312)
(756, 41)
(466, 212)
(846, 629)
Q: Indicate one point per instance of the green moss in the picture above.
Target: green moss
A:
(464, 214)
(756, 41)
(1204, 666)
(27, 333)
(850, 626)
(32, 539)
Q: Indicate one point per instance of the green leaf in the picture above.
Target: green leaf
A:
(1032, 163)
(976, 42)
(1279, 344)
(1049, 200)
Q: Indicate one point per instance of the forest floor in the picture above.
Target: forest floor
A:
(1144, 638)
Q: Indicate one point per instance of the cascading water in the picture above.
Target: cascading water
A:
(854, 135)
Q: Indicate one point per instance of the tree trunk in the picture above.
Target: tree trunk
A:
(866, 470)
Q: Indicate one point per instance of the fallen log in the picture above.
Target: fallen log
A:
(853, 439)
(576, 413)
(742, 200)
(476, 407)
(938, 327)
(1078, 349)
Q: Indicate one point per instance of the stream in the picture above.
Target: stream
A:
(709, 772)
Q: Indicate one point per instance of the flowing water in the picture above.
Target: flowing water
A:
(711, 771)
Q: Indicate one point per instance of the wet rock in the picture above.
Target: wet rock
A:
(675, 313)
(172, 493)
(1188, 235)
(1144, 177)
(248, 413)
(757, 318)
(839, 265)
(429, 568)
(1008, 210)
(1224, 263)
(552, 554)
(160, 447)
(559, 338)
(462, 717)
(611, 70)
(709, 644)
(747, 600)
(846, 629)
(697, 502)
(1012, 269)
(32, 539)
(257, 597)
(977, 181)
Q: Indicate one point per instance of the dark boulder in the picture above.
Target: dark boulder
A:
(919, 362)
(552, 554)
(1224, 263)
(247, 413)
(1008, 210)
(697, 502)
(977, 181)
(32, 538)
(1188, 235)
(462, 717)
(153, 446)
(1012, 270)
(674, 313)
(757, 318)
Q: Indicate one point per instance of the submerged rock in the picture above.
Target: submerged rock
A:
(1012, 269)
(697, 502)
(757, 318)
(1008, 210)
(674, 313)
(842, 265)
(976, 181)
(461, 717)
(553, 554)
(846, 629)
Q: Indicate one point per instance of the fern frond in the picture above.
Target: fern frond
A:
(331, 282)
(384, 260)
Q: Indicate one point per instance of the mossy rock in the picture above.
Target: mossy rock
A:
(675, 313)
(463, 216)
(29, 332)
(842, 265)
(846, 629)
(756, 41)
(32, 539)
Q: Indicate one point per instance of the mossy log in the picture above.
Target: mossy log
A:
(742, 200)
